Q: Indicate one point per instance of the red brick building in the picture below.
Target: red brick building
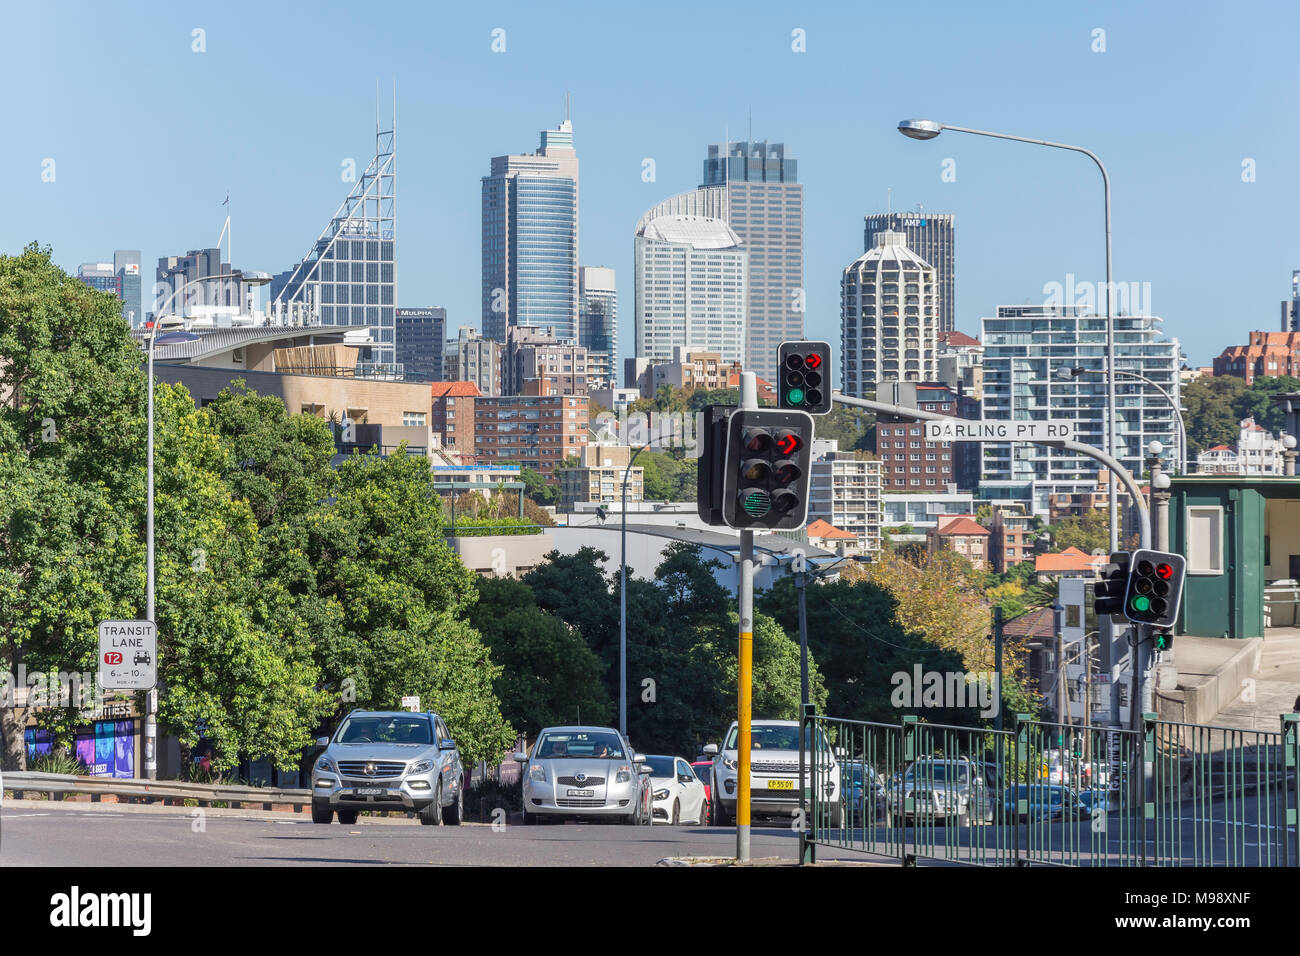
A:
(1267, 354)
(537, 431)
(452, 416)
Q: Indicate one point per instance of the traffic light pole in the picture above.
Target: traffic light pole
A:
(745, 669)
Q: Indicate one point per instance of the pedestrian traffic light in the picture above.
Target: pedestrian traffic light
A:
(767, 470)
(1164, 640)
(713, 456)
(1108, 593)
(1155, 588)
(804, 370)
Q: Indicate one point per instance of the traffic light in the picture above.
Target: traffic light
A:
(804, 370)
(713, 456)
(767, 470)
(1155, 588)
(1164, 640)
(1108, 593)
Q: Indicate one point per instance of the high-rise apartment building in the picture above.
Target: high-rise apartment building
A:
(764, 205)
(931, 238)
(1024, 347)
(536, 358)
(888, 320)
(530, 239)
(598, 324)
(420, 340)
(472, 358)
(350, 275)
(691, 280)
(536, 431)
(845, 490)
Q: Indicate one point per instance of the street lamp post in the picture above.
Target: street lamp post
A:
(1066, 373)
(622, 592)
(167, 338)
(929, 129)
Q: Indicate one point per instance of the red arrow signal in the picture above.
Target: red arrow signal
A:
(813, 360)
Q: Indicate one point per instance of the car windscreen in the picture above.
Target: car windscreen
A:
(767, 737)
(598, 745)
(937, 773)
(386, 729)
(661, 766)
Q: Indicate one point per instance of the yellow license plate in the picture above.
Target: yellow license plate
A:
(780, 785)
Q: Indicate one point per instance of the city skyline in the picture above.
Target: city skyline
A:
(1049, 204)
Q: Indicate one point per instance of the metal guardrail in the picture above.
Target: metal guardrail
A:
(1049, 794)
(1282, 605)
(136, 790)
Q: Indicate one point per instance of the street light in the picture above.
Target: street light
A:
(1066, 372)
(923, 129)
(167, 338)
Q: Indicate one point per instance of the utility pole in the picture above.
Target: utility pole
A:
(745, 710)
(997, 662)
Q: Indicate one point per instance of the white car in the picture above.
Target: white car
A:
(773, 772)
(678, 794)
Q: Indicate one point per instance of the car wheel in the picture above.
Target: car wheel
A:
(454, 813)
(530, 819)
(721, 817)
(677, 815)
(431, 816)
(348, 817)
(706, 814)
(837, 816)
(321, 813)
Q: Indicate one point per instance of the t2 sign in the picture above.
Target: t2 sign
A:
(128, 655)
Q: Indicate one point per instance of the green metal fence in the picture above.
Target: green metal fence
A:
(1049, 794)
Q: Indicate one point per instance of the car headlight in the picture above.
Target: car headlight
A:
(623, 774)
(661, 794)
(325, 765)
(537, 772)
(729, 763)
(423, 766)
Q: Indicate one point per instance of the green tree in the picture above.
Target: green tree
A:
(1210, 411)
(1088, 532)
(668, 477)
(854, 428)
(548, 673)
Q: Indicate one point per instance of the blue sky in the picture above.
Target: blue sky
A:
(148, 136)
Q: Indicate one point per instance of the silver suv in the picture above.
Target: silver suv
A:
(585, 772)
(388, 760)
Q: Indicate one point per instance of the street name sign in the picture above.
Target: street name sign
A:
(128, 655)
(964, 429)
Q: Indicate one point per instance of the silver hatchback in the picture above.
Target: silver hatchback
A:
(585, 772)
(388, 760)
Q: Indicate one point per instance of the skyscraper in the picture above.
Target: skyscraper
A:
(691, 280)
(350, 275)
(931, 238)
(420, 340)
(598, 323)
(120, 277)
(888, 326)
(530, 239)
(764, 205)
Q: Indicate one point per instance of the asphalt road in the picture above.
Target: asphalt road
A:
(54, 834)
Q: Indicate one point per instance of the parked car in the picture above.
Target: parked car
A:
(585, 772)
(947, 789)
(704, 770)
(388, 760)
(773, 772)
(864, 790)
(1045, 802)
(678, 794)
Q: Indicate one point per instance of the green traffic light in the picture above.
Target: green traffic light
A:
(756, 503)
(794, 396)
(1141, 603)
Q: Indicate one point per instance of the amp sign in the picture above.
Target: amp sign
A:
(961, 429)
(128, 655)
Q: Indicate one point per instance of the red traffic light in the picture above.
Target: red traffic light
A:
(813, 360)
(787, 443)
(1165, 571)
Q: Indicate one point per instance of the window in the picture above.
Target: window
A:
(413, 419)
(1205, 539)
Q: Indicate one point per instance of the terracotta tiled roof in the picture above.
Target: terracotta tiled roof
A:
(1039, 622)
(1071, 559)
(960, 524)
(454, 389)
(957, 338)
(824, 529)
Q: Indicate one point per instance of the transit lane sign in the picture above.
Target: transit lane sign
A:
(965, 429)
(128, 655)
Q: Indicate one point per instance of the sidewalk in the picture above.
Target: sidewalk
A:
(1273, 689)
